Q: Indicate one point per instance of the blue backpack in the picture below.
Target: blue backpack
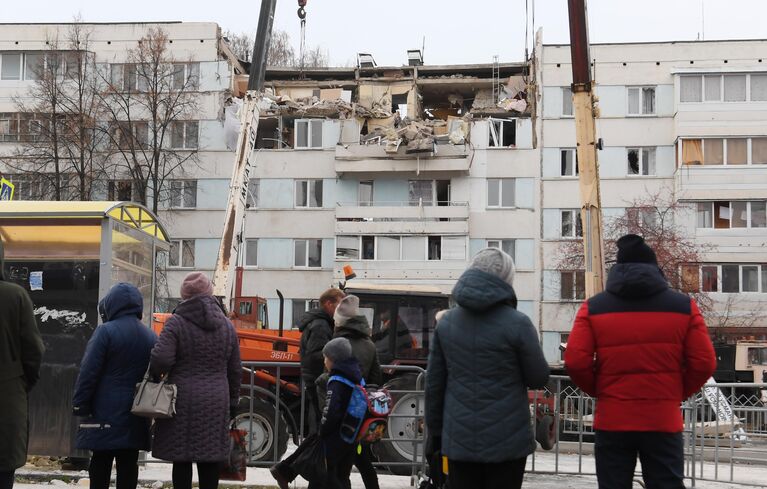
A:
(366, 415)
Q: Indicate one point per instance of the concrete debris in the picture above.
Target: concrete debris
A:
(157, 485)
(58, 482)
(509, 104)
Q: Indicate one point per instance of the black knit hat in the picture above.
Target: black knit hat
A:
(633, 249)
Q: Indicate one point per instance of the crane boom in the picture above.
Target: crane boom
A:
(584, 107)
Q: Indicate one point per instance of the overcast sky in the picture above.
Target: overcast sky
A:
(455, 31)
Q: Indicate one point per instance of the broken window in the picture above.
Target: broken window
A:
(308, 193)
(348, 247)
(567, 102)
(254, 185)
(709, 278)
(435, 247)
(365, 193)
(503, 132)
(500, 192)
(692, 152)
(641, 100)
(734, 88)
(183, 194)
(421, 192)
(571, 224)
(414, 248)
(268, 133)
(368, 248)
(181, 253)
(251, 252)
(569, 162)
(507, 245)
(308, 253)
(572, 285)
(308, 133)
(443, 192)
(641, 161)
(399, 103)
(690, 88)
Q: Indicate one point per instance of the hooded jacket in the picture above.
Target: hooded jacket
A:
(21, 353)
(640, 348)
(316, 328)
(338, 396)
(199, 351)
(115, 360)
(357, 331)
(484, 356)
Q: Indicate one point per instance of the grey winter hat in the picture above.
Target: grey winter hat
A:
(338, 349)
(495, 262)
(348, 308)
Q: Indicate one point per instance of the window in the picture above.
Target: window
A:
(709, 278)
(186, 76)
(453, 248)
(251, 252)
(713, 84)
(757, 356)
(641, 100)
(387, 248)
(737, 152)
(567, 102)
(735, 214)
(749, 278)
(33, 65)
(434, 247)
(503, 133)
(308, 133)
(348, 247)
(414, 248)
(254, 185)
(719, 151)
(32, 186)
(183, 134)
(507, 245)
(642, 217)
(569, 162)
(128, 77)
(734, 278)
(690, 89)
(120, 190)
(308, 253)
(572, 286)
(181, 253)
(421, 192)
(758, 151)
(368, 247)
(734, 88)
(11, 66)
(23, 127)
(713, 152)
(500, 192)
(571, 223)
(759, 87)
(131, 135)
(365, 193)
(308, 193)
(692, 152)
(300, 306)
(641, 161)
(183, 194)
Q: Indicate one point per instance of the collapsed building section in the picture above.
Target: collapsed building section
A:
(405, 110)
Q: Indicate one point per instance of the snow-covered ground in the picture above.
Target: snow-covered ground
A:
(572, 473)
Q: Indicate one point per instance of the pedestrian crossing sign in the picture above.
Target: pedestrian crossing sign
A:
(6, 189)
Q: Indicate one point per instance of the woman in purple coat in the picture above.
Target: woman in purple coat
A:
(199, 352)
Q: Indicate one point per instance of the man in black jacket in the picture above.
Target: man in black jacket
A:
(316, 328)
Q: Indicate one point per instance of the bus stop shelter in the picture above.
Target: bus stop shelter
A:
(67, 255)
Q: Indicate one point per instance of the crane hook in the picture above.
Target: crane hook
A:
(301, 13)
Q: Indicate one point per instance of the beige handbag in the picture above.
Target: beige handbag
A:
(154, 399)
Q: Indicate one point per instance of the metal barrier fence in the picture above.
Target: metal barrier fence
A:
(725, 425)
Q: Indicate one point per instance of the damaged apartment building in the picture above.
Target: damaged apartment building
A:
(401, 172)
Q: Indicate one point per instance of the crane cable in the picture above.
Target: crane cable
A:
(302, 43)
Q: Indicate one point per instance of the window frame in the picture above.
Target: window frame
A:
(310, 192)
(725, 150)
(178, 187)
(306, 253)
(500, 181)
(496, 136)
(567, 94)
(761, 270)
(181, 242)
(185, 132)
(248, 242)
(309, 134)
(498, 243)
(574, 296)
(252, 198)
(574, 153)
(721, 80)
(189, 84)
(712, 210)
(642, 89)
(641, 162)
(575, 223)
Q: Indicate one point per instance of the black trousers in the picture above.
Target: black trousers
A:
(312, 406)
(207, 473)
(6, 479)
(475, 475)
(100, 469)
(364, 463)
(661, 455)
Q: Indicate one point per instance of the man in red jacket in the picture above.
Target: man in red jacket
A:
(640, 348)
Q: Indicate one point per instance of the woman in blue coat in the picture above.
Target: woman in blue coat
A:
(115, 361)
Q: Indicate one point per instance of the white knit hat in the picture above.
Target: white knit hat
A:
(348, 308)
(496, 262)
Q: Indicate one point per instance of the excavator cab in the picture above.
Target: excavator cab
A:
(250, 313)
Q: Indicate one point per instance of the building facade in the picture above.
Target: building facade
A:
(405, 172)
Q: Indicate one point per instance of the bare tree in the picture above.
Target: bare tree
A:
(281, 51)
(655, 217)
(59, 148)
(149, 105)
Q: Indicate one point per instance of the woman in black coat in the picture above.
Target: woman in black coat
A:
(115, 360)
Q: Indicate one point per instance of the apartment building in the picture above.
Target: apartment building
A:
(684, 120)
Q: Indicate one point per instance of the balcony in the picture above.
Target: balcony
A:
(374, 158)
(446, 218)
(721, 182)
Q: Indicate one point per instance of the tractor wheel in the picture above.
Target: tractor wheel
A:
(261, 432)
(397, 448)
(545, 432)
